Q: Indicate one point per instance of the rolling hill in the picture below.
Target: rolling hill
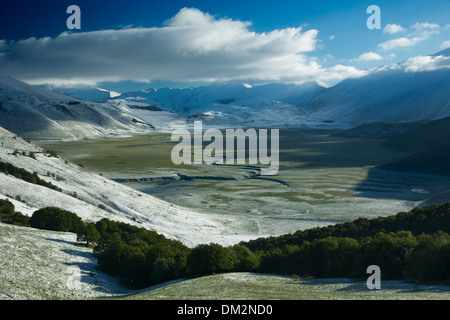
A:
(37, 113)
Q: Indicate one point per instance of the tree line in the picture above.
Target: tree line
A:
(25, 175)
(428, 220)
(411, 245)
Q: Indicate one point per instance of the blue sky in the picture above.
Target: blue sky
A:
(290, 41)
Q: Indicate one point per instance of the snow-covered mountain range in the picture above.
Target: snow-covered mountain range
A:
(200, 99)
(413, 90)
(232, 104)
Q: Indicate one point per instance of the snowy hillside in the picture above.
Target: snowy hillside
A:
(46, 265)
(416, 89)
(41, 114)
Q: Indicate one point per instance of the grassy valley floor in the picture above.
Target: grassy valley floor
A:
(323, 179)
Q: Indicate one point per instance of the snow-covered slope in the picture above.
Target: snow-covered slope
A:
(45, 265)
(416, 89)
(41, 114)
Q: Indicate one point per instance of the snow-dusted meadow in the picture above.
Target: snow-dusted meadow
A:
(251, 286)
(45, 265)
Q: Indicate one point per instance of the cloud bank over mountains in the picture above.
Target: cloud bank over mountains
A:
(191, 46)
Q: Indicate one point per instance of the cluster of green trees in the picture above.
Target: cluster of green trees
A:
(138, 256)
(400, 255)
(141, 257)
(49, 218)
(25, 175)
(419, 220)
(9, 215)
(56, 219)
(412, 245)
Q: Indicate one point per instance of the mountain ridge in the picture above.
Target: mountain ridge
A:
(417, 89)
(42, 114)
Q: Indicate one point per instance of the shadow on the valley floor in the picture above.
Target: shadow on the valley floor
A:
(324, 149)
(384, 184)
(315, 150)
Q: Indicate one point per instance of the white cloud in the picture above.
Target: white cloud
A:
(369, 56)
(445, 44)
(339, 72)
(421, 26)
(393, 28)
(398, 43)
(426, 63)
(425, 30)
(332, 37)
(421, 31)
(191, 46)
